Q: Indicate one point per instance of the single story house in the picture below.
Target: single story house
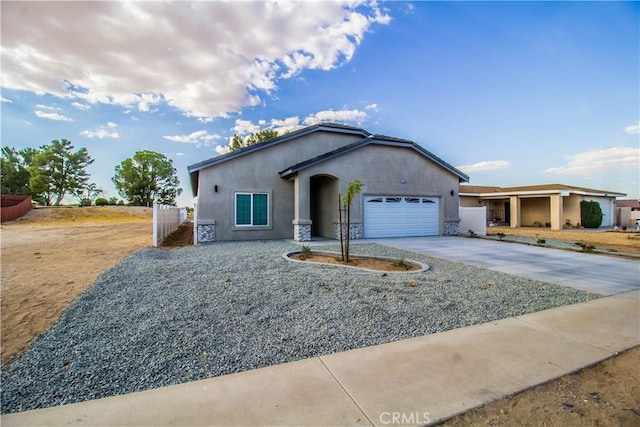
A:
(552, 205)
(288, 187)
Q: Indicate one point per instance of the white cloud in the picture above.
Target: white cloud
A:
(372, 107)
(245, 127)
(484, 166)
(102, 132)
(207, 59)
(81, 106)
(52, 116)
(598, 161)
(633, 129)
(199, 138)
(179, 154)
(27, 122)
(47, 107)
(286, 125)
(3, 99)
(222, 149)
(356, 116)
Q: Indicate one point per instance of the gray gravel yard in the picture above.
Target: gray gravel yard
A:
(167, 317)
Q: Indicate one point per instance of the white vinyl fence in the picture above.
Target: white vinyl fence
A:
(165, 220)
(473, 219)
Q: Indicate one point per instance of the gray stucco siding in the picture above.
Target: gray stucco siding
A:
(311, 194)
(258, 172)
(383, 170)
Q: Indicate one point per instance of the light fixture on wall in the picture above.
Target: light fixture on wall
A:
(452, 193)
(215, 188)
(403, 181)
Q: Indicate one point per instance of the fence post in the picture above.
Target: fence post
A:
(155, 224)
(195, 222)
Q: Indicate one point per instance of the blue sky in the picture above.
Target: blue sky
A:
(512, 93)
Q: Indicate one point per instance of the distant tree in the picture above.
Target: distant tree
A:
(87, 195)
(147, 177)
(57, 170)
(237, 142)
(14, 167)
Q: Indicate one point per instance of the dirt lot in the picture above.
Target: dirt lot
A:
(623, 242)
(53, 255)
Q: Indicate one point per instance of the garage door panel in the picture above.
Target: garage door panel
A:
(401, 216)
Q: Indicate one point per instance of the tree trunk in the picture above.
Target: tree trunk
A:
(347, 233)
(340, 225)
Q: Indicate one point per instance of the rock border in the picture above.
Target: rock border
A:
(423, 267)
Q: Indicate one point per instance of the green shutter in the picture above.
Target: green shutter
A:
(243, 209)
(260, 209)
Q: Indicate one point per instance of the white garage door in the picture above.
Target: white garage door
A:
(400, 216)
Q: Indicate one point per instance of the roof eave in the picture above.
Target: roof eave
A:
(327, 127)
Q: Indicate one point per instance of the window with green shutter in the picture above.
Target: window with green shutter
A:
(252, 209)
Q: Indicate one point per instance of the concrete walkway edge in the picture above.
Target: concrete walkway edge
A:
(416, 381)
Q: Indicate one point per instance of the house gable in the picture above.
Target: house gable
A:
(291, 136)
(372, 140)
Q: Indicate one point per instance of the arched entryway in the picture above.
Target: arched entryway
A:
(324, 205)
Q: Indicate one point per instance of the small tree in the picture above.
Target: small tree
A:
(344, 206)
(87, 195)
(590, 214)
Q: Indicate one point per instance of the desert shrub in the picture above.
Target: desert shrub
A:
(305, 252)
(101, 201)
(113, 201)
(590, 214)
(585, 247)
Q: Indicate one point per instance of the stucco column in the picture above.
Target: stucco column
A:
(301, 191)
(302, 208)
(556, 212)
(514, 203)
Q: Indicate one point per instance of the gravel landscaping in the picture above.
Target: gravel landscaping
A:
(167, 317)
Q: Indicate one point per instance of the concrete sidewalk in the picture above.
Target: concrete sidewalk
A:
(415, 381)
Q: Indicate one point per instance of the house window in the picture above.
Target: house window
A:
(252, 209)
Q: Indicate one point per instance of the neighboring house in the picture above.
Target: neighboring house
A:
(553, 205)
(288, 187)
(628, 213)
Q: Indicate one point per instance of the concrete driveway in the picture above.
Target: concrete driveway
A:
(601, 274)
